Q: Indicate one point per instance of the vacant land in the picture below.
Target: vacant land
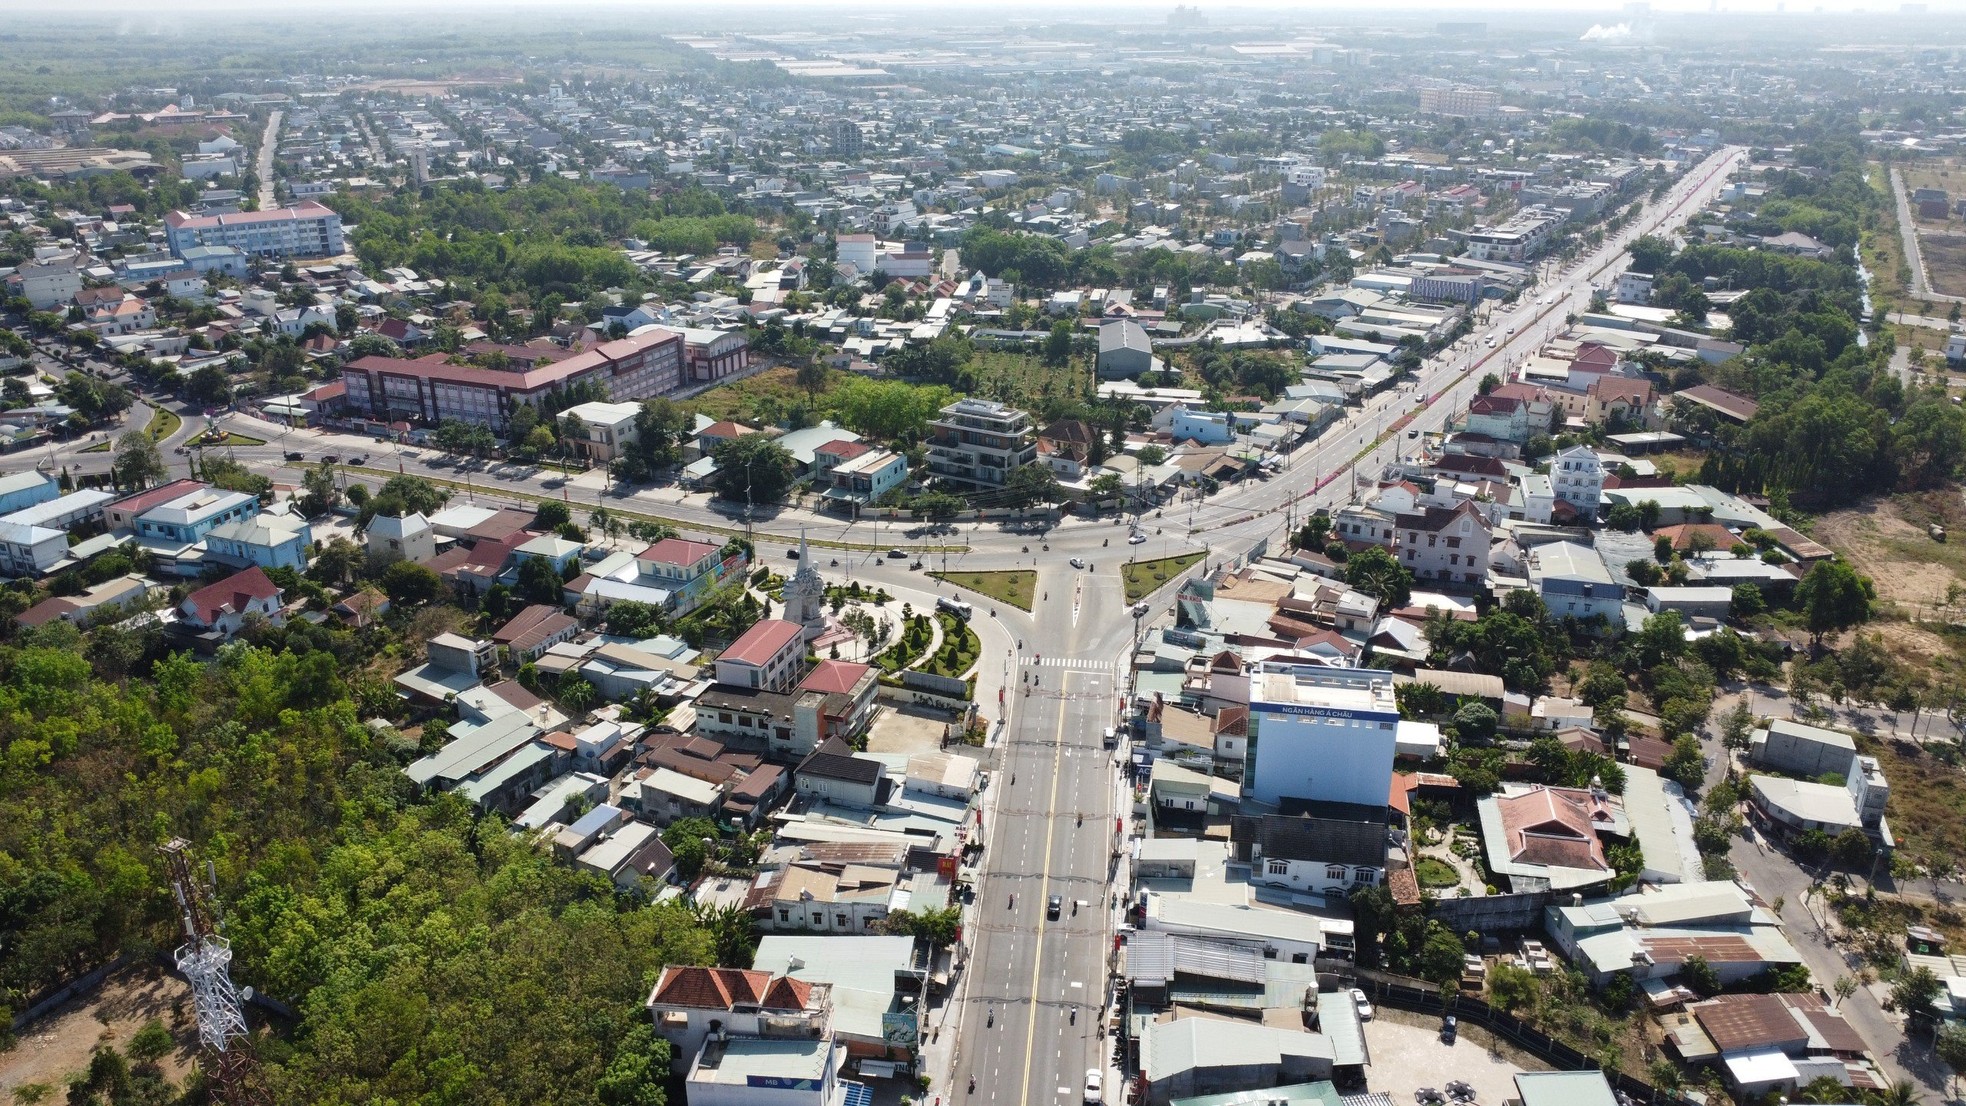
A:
(58, 1046)
(1143, 578)
(1928, 800)
(760, 398)
(1945, 261)
(1015, 588)
(1924, 579)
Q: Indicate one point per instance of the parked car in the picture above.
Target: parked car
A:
(1362, 1005)
(1094, 1086)
(1448, 1030)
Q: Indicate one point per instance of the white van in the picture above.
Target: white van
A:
(954, 606)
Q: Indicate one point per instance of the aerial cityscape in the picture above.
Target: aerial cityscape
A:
(827, 555)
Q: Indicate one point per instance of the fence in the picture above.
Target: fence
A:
(1490, 913)
(1418, 997)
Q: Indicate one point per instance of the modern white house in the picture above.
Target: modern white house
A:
(1578, 476)
(409, 538)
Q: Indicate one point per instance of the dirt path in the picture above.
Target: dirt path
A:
(58, 1045)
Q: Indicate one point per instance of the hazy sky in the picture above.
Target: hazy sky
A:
(1225, 9)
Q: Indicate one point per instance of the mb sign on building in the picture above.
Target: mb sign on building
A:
(1318, 733)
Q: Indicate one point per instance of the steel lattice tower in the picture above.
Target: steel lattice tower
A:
(205, 958)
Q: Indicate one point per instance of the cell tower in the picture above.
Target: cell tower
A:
(205, 958)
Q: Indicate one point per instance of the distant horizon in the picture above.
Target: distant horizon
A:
(1609, 9)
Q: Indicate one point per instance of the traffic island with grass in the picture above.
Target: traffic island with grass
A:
(1018, 588)
(1143, 578)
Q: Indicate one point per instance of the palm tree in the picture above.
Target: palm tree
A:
(1899, 1092)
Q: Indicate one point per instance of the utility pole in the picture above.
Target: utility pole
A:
(205, 959)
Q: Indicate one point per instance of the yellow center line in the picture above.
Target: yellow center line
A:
(1044, 886)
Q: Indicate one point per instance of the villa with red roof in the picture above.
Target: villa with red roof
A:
(688, 1001)
(1546, 838)
(221, 609)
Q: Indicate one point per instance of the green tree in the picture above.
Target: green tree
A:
(1914, 991)
(1833, 598)
(1374, 572)
(1440, 956)
(1030, 484)
(1058, 344)
(539, 582)
(1951, 1047)
(138, 463)
(639, 1072)
(551, 514)
(1852, 849)
(1512, 989)
(812, 376)
(409, 584)
(1660, 639)
(151, 1043)
(1696, 973)
(685, 837)
(320, 490)
(752, 469)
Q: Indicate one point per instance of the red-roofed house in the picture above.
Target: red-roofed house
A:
(1618, 399)
(841, 694)
(767, 656)
(717, 433)
(1547, 836)
(688, 1002)
(222, 608)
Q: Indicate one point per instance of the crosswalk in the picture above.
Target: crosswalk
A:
(1071, 664)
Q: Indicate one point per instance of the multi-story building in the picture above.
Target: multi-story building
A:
(1319, 733)
(306, 229)
(46, 284)
(1447, 545)
(979, 441)
(767, 656)
(1579, 479)
(606, 430)
(1471, 102)
(647, 363)
(865, 477)
(1520, 238)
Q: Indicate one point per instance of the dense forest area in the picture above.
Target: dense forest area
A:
(430, 956)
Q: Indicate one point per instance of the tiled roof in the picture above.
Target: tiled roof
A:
(728, 988)
(757, 645)
(232, 594)
(834, 677)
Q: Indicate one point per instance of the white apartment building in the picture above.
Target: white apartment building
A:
(305, 229)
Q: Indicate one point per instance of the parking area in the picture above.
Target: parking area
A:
(1407, 1054)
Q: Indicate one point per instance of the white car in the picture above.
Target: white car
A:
(1135, 538)
(1078, 562)
(1094, 1086)
(1362, 1005)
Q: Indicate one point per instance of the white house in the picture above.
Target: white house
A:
(410, 538)
(1578, 476)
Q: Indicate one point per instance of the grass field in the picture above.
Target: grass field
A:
(763, 397)
(164, 422)
(1019, 589)
(1143, 578)
(1945, 262)
(1883, 251)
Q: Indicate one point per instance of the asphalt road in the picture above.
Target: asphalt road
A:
(263, 164)
(1036, 986)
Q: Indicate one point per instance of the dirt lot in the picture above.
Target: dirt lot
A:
(1407, 1055)
(1886, 539)
(907, 730)
(58, 1046)
(1945, 261)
